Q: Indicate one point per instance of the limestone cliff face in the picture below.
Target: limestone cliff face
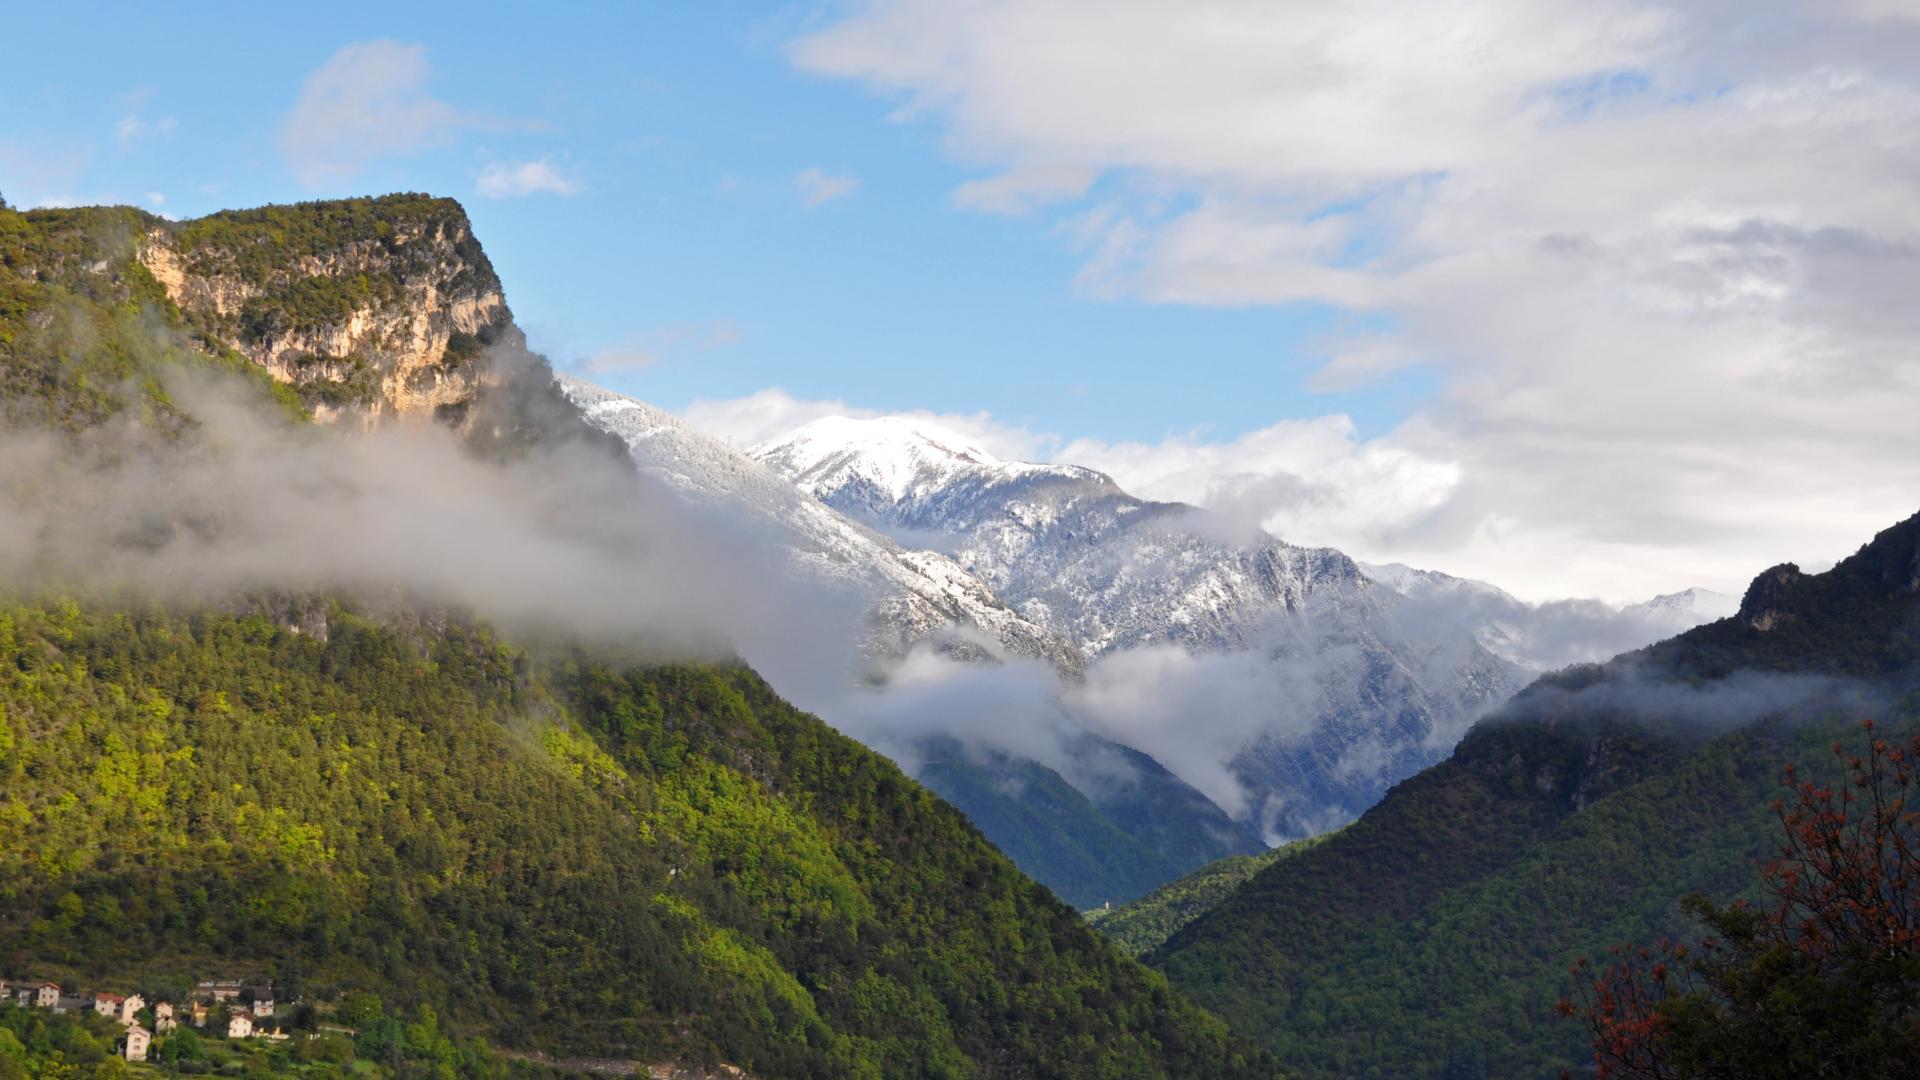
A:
(371, 308)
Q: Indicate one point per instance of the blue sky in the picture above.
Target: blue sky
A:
(683, 129)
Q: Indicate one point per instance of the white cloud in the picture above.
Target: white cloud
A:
(742, 422)
(817, 187)
(368, 101)
(504, 181)
(1661, 258)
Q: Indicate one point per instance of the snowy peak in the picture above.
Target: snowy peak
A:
(1694, 605)
(874, 463)
(1413, 583)
(892, 451)
(919, 595)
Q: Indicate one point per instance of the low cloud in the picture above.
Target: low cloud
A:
(817, 187)
(1701, 708)
(566, 539)
(1196, 713)
(508, 181)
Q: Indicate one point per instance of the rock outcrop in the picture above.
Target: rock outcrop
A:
(370, 308)
(1765, 605)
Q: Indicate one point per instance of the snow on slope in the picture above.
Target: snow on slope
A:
(918, 595)
(1552, 635)
(1688, 608)
(1350, 696)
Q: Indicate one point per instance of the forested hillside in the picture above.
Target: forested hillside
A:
(655, 862)
(569, 846)
(1143, 925)
(1432, 937)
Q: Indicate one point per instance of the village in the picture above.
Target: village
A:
(228, 1006)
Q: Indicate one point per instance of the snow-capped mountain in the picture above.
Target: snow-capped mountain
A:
(1135, 828)
(1064, 545)
(917, 595)
(1687, 608)
(1359, 697)
(1547, 636)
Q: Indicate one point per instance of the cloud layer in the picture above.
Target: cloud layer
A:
(1661, 257)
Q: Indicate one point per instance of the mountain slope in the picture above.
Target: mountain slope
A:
(1368, 697)
(1114, 844)
(1573, 818)
(1143, 925)
(1110, 846)
(567, 847)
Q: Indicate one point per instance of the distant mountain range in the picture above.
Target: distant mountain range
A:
(1354, 676)
(1547, 636)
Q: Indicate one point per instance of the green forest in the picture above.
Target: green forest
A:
(1143, 925)
(660, 862)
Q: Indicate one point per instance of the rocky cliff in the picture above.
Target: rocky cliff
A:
(370, 308)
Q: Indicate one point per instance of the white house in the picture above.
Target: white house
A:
(47, 995)
(222, 990)
(138, 1039)
(108, 1004)
(130, 1007)
(163, 1020)
(262, 1008)
(239, 1026)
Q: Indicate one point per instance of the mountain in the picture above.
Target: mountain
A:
(1546, 636)
(365, 308)
(1114, 840)
(559, 841)
(915, 596)
(1575, 817)
(1687, 608)
(1345, 695)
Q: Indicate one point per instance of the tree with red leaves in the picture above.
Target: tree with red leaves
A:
(1824, 982)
